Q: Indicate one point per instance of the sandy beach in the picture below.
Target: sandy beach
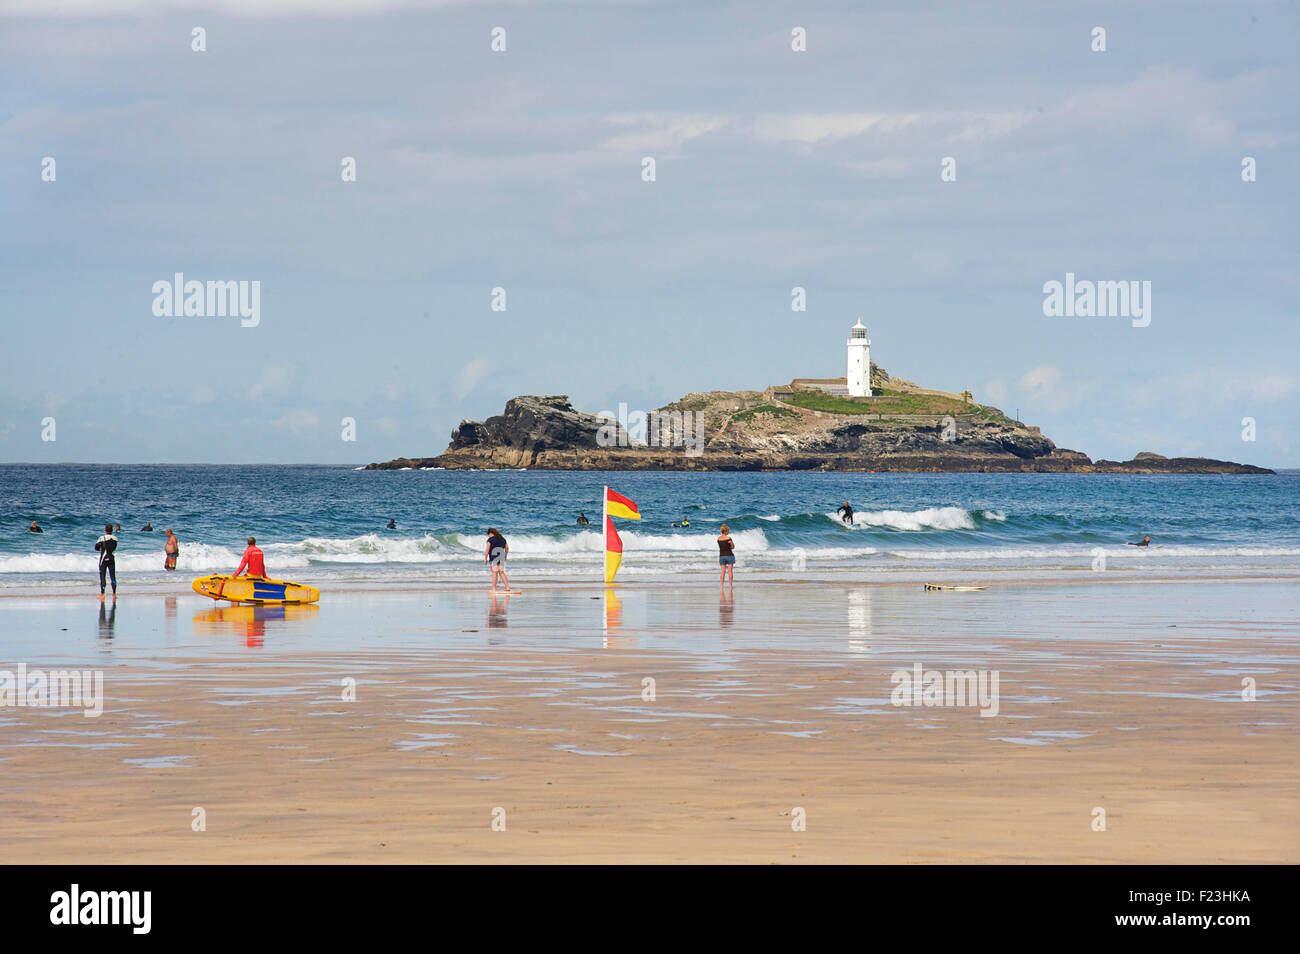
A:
(770, 709)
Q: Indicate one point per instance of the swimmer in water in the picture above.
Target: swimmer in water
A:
(392, 524)
(582, 520)
(34, 529)
(147, 528)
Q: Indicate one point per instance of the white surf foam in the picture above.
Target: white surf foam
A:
(932, 518)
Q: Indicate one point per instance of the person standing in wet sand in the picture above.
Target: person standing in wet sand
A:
(107, 546)
(494, 555)
(726, 556)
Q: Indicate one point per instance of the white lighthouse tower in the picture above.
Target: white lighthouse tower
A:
(859, 377)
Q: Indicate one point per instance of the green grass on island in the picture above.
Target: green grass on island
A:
(741, 417)
(888, 402)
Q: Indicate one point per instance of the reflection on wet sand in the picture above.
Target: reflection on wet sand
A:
(107, 618)
(249, 621)
(496, 617)
(726, 608)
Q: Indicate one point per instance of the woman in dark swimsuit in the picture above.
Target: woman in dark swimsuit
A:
(726, 556)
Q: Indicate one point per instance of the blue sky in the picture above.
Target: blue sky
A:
(522, 169)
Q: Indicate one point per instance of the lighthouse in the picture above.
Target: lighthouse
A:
(859, 377)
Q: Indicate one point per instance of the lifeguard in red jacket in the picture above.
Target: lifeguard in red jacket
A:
(252, 560)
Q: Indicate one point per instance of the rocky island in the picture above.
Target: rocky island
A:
(801, 426)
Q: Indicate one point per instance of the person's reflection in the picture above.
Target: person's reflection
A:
(107, 616)
(255, 628)
(248, 621)
(496, 617)
(169, 616)
(726, 607)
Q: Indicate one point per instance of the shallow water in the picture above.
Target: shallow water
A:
(326, 525)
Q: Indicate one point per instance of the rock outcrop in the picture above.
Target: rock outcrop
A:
(752, 430)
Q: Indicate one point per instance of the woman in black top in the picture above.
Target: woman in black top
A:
(494, 555)
(726, 556)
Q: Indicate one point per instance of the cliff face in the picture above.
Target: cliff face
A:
(751, 430)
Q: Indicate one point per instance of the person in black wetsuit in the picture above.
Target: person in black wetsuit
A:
(147, 528)
(34, 529)
(582, 520)
(392, 524)
(847, 512)
(106, 545)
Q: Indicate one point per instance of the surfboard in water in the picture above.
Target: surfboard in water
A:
(254, 589)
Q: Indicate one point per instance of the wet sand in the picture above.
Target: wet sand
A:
(774, 701)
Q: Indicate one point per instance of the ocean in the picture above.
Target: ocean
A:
(325, 525)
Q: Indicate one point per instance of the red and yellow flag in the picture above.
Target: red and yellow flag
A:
(616, 505)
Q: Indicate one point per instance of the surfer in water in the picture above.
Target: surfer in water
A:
(582, 520)
(147, 528)
(847, 512)
(171, 550)
(106, 545)
(1144, 542)
(494, 555)
(34, 529)
(726, 556)
(252, 560)
(392, 524)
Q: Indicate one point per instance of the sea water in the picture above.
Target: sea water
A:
(325, 525)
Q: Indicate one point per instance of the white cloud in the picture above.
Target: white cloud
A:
(299, 421)
(470, 376)
(661, 132)
(812, 128)
(66, 9)
(271, 384)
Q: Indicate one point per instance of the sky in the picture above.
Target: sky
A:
(523, 170)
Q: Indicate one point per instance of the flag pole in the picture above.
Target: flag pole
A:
(604, 523)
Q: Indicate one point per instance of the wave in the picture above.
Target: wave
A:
(932, 518)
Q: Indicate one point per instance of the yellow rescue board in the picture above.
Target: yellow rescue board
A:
(254, 589)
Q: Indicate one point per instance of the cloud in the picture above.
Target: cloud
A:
(659, 132)
(810, 128)
(470, 376)
(66, 9)
(272, 384)
(298, 421)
